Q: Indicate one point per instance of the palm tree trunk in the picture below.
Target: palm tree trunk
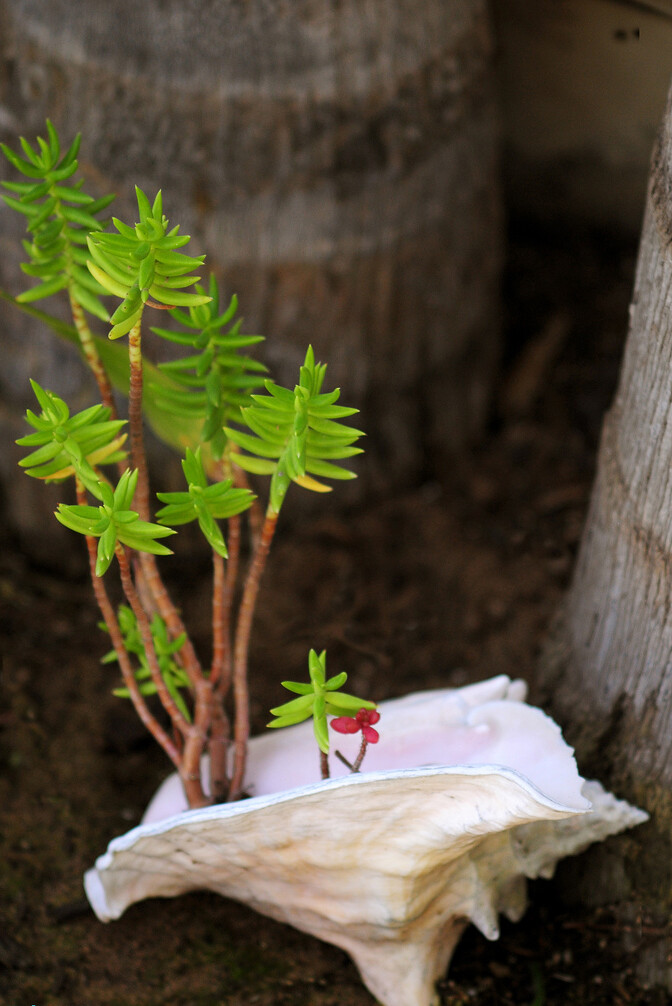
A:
(336, 161)
(607, 671)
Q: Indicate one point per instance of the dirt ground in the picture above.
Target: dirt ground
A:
(452, 582)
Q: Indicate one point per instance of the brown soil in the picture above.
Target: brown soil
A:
(453, 581)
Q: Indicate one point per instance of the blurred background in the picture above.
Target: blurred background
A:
(355, 171)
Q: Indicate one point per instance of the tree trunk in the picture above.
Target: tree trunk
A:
(607, 673)
(337, 162)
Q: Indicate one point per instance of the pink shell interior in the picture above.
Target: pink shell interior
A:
(484, 724)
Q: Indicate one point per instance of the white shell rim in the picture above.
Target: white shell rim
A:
(227, 810)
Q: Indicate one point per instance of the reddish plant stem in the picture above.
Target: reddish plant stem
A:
(144, 592)
(220, 670)
(194, 745)
(223, 590)
(324, 765)
(195, 734)
(241, 648)
(360, 757)
(255, 517)
(232, 569)
(150, 571)
(355, 767)
(223, 584)
(255, 513)
(138, 456)
(170, 615)
(167, 701)
(105, 388)
(91, 355)
(218, 748)
(221, 646)
(110, 619)
(344, 760)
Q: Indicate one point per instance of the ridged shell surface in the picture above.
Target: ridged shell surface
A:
(389, 864)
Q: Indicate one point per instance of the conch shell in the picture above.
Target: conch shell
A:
(469, 792)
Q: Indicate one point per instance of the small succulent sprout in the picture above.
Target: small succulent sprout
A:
(70, 445)
(215, 380)
(319, 698)
(296, 434)
(114, 522)
(141, 262)
(203, 502)
(59, 217)
(174, 676)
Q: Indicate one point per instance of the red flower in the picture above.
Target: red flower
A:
(363, 721)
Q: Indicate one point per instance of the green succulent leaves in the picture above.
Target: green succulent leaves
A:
(134, 264)
(142, 262)
(59, 218)
(212, 397)
(174, 676)
(319, 699)
(205, 503)
(66, 445)
(296, 434)
(114, 522)
(215, 379)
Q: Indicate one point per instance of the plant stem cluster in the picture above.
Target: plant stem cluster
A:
(233, 422)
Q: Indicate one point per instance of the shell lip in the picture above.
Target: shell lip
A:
(230, 810)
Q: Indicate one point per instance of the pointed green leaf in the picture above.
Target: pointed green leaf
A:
(47, 289)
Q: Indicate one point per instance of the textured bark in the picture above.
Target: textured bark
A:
(607, 672)
(337, 162)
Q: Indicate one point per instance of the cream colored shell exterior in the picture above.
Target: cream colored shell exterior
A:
(389, 865)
